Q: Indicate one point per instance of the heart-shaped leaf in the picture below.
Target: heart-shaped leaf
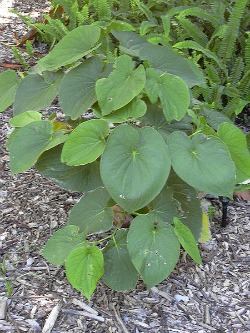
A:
(33, 140)
(172, 92)
(84, 267)
(77, 90)
(86, 143)
(203, 162)
(8, 86)
(92, 213)
(119, 271)
(25, 118)
(121, 86)
(134, 166)
(61, 244)
(82, 178)
(153, 247)
(75, 45)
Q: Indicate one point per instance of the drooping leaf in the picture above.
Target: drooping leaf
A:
(84, 267)
(172, 92)
(119, 271)
(28, 144)
(205, 233)
(75, 45)
(189, 205)
(25, 118)
(134, 166)
(61, 244)
(122, 85)
(92, 213)
(36, 92)
(187, 240)
(203, 162)
(131, 42)
(8, 86)
(57, 138)
(153, 247)
(215, 118)
(86, 143)
(77, 90)
(164, 59)
(236, 142)
(82, 178)
(133, 110)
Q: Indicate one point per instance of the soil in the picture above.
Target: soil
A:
(36, 297)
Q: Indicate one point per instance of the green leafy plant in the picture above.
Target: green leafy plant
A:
(132, 141)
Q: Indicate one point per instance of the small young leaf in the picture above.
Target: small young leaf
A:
(25, 118)
(134, 166)
(28, 144)
(61, 244)
(119, 271)
(203, 162)
(187, 240)
(153, 247)
(75, 45)
(92, 213)
(8, 86)
(82, 178)
(86, 143)
(84, 267)
(121, 86)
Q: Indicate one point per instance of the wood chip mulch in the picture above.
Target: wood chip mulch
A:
(36, 297)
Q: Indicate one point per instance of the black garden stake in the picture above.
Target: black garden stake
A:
(224, 201)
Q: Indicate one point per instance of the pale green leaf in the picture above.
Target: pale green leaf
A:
(187, 240)
(134, 166)
(25, 118)
(8, 86)
(61, 244)
(86, 143)
(236, 142)
(203, 162)
(119, 271)
(92, 213)
(122, 85)
(28, 144)
(75, 45)
(153, 247)
(84, 268)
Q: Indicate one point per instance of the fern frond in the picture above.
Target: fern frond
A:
(228, 42)
(244, 86)
(201, 14)
(83, 15)
(236, 72)
(247, 53)
(103, 9)
(212, 72)
(58, 26)
(145, 10)
(193, 31)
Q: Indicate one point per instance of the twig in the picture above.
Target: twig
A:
(84, 306)
(120, 322)
(83, 313)
(51, 320)
(161, 293)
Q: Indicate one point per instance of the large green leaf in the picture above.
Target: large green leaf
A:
(172, 91)
(28, 144)
(121, 86)
(189, 204)
(61, 244)
(134, 166)
(165, 60)
(119, 271)
(25, 118)
(187, 240)
(133, 110)
(236, 142)
(84, 267)
(86, 143)
(82, 178)
(153, 247)
(92, 213)
(36, 92)
(77, 90)
(203, 162)
(8, 86)
(215, 118)
(75, 45)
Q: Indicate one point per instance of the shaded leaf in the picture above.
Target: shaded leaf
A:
(8, 86)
